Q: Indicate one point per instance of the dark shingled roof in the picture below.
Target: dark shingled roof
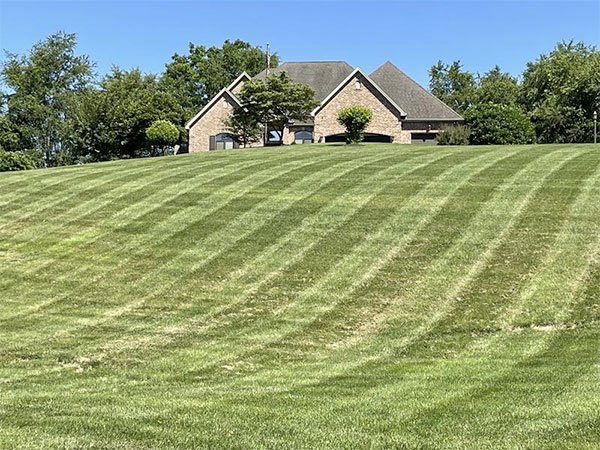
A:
(322, 76)
(417, 102)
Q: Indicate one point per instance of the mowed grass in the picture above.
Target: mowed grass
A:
(376, 296)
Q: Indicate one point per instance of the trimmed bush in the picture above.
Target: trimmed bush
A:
(355, 119)
(11, 161)
(162, 135)
(454, 135)
(499, 124)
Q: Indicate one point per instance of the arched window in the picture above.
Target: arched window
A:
(224, 141)
(303, 137)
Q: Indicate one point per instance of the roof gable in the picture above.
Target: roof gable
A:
(411, 96)
(223, 93)
(242, 78)
(358, 72)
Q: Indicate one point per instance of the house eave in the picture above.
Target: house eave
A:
(434, 119)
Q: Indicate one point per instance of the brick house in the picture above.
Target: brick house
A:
(403, 111)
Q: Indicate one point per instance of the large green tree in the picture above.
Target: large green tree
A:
(194, 78)
(453, 85)
(42, 89)
(561, 90)
(111, 122)
(497, 87)
(277, 101)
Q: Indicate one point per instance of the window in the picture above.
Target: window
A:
(223, 141)
(303, 137)
(274, 137)
(357, 84)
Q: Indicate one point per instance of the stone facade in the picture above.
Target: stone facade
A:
(210, 124)
(358, 91)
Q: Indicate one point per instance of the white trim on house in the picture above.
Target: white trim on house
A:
(235, 82)
(210, 104)
(346, 80)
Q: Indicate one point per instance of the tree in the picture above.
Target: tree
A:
(561, 90)
(198, 76)
(43, 86)
(497, 87)
(162, 135)
(355, 119)
(111, 122)
(277, 101)
(244, 126)
(499, 124)
(453, 85)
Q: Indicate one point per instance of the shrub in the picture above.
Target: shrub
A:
(162, 135)
(10, 161)
(355, 119)
(499, 124)
(454, 135)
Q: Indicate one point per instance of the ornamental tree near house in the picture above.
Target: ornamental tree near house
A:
(355, 119)
(277, 101)
(162, 135)
(244, 126)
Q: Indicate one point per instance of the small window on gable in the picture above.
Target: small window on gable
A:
(357, 84)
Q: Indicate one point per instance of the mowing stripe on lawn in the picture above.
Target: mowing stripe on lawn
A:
(495, 381)
(346, 271)
(273, 259)
(82, 237)
(261, 177)
(237, 180)
(362, 313)
(487, 228)
(258, 212)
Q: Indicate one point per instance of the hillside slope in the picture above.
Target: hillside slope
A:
(320, 296)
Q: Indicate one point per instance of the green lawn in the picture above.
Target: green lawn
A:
(377, 296)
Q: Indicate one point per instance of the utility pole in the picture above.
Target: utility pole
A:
(268, 72)
(268, 59)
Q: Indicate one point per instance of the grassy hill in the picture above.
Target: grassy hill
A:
(319, 296)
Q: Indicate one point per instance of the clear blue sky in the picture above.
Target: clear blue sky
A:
(412, 34)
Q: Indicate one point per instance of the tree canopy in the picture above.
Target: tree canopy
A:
(43, 86)
(558, 92)
(194, 78)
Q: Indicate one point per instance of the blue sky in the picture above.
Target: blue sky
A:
(412, 34)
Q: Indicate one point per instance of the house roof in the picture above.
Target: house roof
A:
(322, 76)
(404, 94)
(410, 96)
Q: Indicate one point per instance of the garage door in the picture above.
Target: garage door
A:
(424, 138)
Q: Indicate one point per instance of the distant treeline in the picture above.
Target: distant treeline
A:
(57, 111)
